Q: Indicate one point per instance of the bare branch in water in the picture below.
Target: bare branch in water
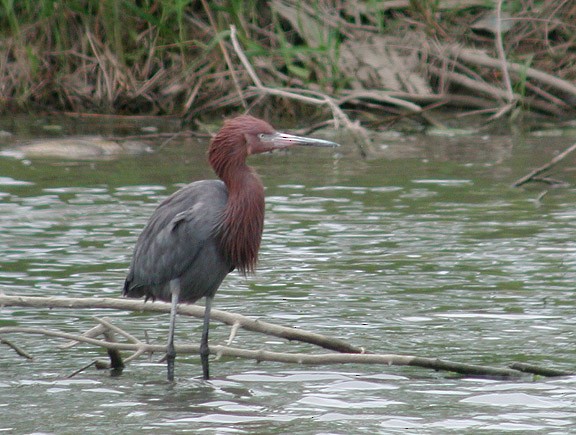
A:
(533, 175)
(348, 354)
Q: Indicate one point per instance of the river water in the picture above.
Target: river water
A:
(424, 249)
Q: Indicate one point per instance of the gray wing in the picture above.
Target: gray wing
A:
(179, 242)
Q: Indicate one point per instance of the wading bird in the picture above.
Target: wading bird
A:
(205, 230)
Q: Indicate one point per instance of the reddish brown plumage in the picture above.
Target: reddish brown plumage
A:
(243, 222)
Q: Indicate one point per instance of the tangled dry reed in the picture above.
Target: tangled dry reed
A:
(161, 57)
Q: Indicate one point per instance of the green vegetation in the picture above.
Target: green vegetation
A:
(175, 57)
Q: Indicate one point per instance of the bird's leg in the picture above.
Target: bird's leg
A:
(204, 350)
(170, 349)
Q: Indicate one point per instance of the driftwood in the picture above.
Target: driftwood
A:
(189, 310)
(347, 353)
(534, 175)
(480, 58)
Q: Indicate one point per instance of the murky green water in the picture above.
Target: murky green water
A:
(424, 250)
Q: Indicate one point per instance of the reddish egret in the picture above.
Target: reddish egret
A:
(208, 228)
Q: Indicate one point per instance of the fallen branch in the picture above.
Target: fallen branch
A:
(474, 85)
(540, 371)
(352, 354)
(482, 59)
(381, 96)
(463, 101)
(385, 97)
(16, 348)
(189, 310)
(532, 176)
(492, 91)
(291, 358)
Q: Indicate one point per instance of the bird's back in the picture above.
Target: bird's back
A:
(181, 240)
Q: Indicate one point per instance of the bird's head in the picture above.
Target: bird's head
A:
(246, 135)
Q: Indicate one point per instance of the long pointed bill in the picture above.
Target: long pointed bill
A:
(282, 140)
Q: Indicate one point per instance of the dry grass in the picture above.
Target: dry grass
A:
(175, 57)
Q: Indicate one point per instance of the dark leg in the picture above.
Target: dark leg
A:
(204, 350)
(170, 349)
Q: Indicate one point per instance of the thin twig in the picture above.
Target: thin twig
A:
(233, 332)
(81, 369)
(93, 332)
(105, 322)
(103, 69)
(16, 348)
(243, 58)
(502, 111)
(533, 174)
(541, 196)
(502, 54)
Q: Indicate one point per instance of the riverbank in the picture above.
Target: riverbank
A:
(372, 61)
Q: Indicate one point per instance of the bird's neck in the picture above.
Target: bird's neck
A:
(243, 220)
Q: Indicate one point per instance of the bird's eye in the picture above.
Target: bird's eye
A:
(261, 136)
